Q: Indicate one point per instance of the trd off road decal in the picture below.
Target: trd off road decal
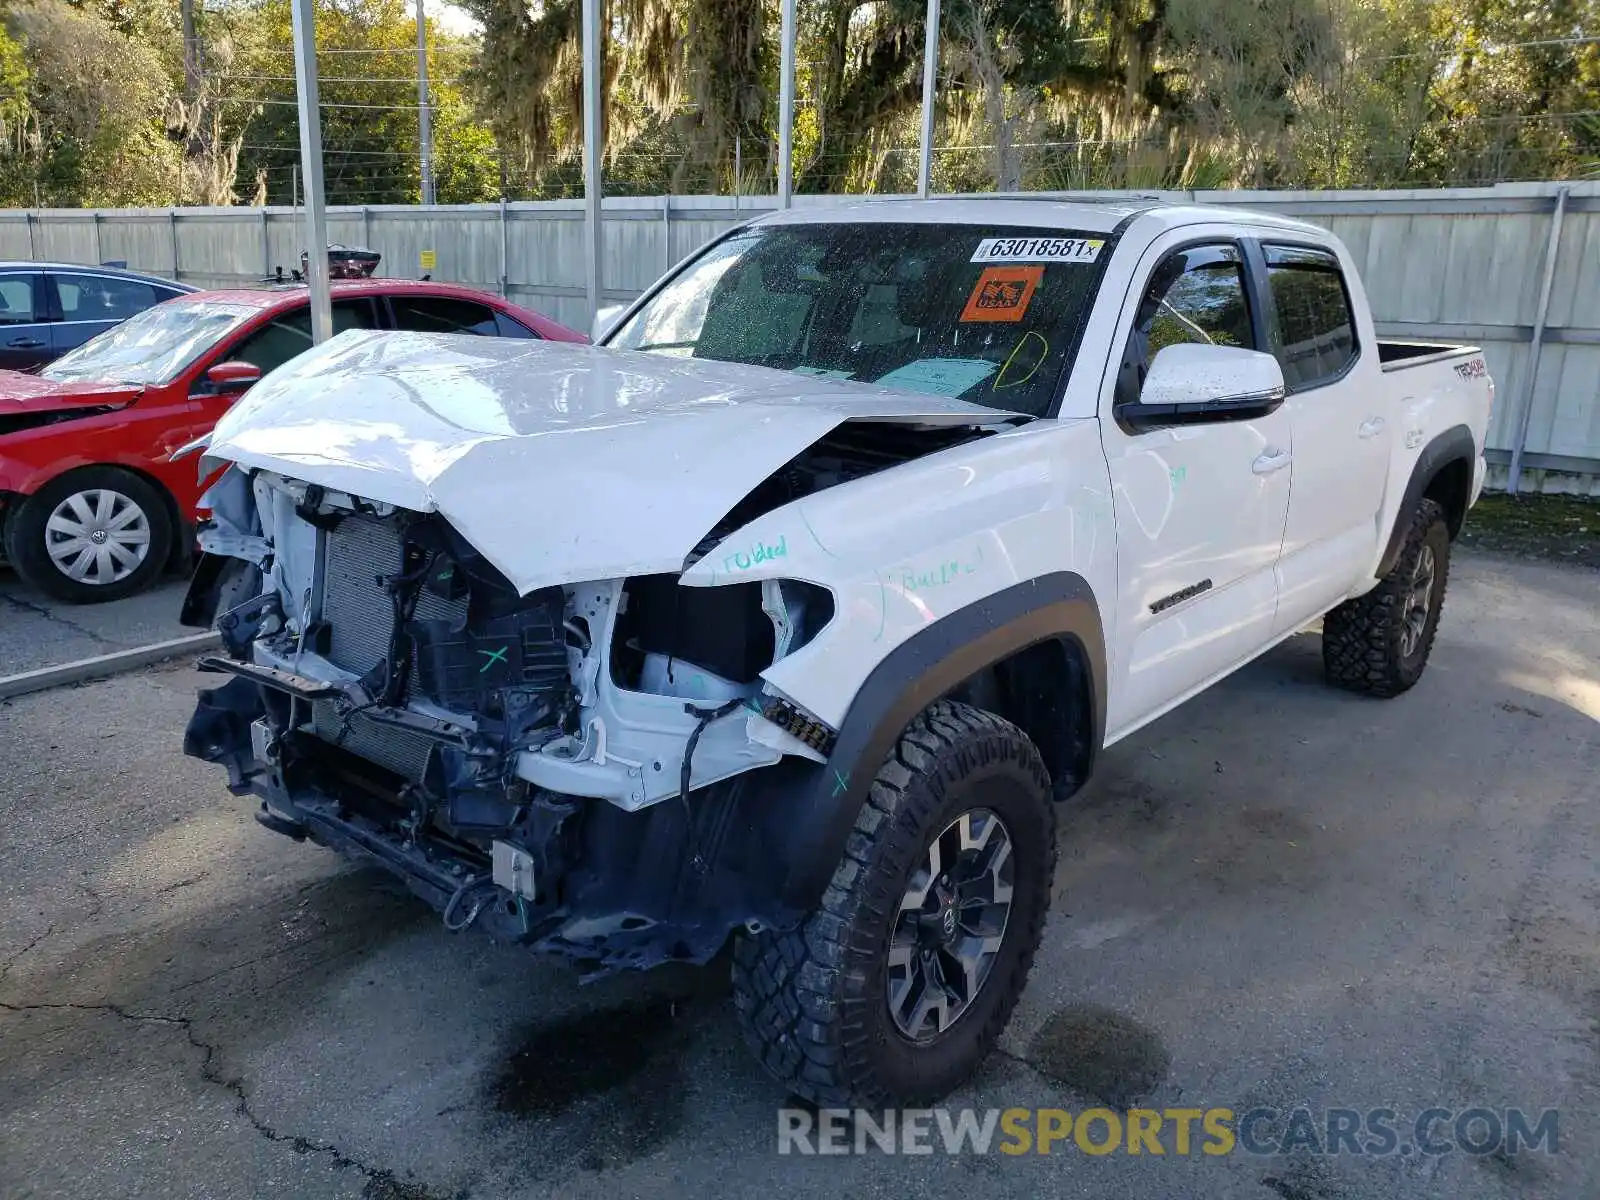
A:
(1002, 294)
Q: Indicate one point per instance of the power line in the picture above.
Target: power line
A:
(436, 48)
(321, 79)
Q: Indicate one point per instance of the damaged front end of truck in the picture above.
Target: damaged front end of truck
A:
(457, 640)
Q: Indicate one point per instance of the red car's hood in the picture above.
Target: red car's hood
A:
(29, 393)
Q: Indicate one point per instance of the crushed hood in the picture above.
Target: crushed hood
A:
(20, 393)
(558, 462)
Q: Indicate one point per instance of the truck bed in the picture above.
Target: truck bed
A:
(1398, 356)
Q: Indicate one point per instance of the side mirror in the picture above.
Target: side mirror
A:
(227, 378)
(605, 320)
(1194, 383)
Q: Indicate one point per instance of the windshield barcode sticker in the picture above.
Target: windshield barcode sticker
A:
(1038, 249)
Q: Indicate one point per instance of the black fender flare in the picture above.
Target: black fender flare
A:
(1453, 444)
(928, 665)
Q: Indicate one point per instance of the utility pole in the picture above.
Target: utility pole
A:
(593, 152)
(316, 227)
(786, 106)
(191, 50)
(930, 74)
(424, 118)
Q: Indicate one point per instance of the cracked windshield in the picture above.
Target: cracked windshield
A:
(987, 314)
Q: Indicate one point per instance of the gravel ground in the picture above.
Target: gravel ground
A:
(1277, 895)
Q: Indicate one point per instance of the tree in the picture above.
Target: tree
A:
(92, 133)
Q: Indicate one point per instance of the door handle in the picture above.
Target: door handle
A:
(24, 343)
(1371, 427)
(1269, 461)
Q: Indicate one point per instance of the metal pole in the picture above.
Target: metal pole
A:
(99, 253)
(666, 233)
(424, 118)
(316, 229)
(930, 70)
(1552, 247)
(786, 108)
(593, 150)
(505, 245)
(266, 245)
(738, 171)
(172, 227)
(505, 255)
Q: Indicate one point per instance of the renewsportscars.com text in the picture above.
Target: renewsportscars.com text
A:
(1181, 1132)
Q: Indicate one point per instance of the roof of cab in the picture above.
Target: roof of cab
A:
(1088, 214)
(270, 294)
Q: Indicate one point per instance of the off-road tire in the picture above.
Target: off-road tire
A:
(1363, 639)
(813, 1001)
(29, 556)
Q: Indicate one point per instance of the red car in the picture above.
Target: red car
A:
(91, 507)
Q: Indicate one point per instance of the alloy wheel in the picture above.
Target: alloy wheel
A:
(950, 925)
(1418, 601)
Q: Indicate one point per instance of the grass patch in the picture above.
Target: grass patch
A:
(1558, 528)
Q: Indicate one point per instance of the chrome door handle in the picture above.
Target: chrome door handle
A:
(25, 343)
(1269, 461)
(1371, 427)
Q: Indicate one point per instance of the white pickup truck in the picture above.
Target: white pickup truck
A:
(788, 614)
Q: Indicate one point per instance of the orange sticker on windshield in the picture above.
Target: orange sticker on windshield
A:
(1002, 294)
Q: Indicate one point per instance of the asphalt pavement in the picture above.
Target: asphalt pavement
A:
(1278, 895)
(36, 631)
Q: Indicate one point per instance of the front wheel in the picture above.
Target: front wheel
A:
(899, 985)
(1379, 643)
(98, 534)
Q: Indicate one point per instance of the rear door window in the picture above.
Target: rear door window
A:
(510, 328)
(1316, 332)
(19, 300)
(103, 297)
(443, 314)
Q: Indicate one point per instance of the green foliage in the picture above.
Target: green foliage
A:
(86, 111)
(95, 107)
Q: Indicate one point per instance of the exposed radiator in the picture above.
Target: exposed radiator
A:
(397, 750)
(359, 613)
(360, 616)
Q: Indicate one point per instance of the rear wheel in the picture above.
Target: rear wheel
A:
(899, 985)
(1379, 643)
(93, 535)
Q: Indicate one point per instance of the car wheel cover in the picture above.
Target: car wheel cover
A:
(97, 537)
(950, 925)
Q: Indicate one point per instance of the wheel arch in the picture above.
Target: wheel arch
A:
(1443, 473)
(1044, 630)
(169, 502)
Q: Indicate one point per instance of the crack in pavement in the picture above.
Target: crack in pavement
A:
(5, 967)
(382, 1184)
(39, 610)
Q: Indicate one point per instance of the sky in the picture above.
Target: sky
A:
(451, 17)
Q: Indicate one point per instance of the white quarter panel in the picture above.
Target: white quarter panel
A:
(902, 549)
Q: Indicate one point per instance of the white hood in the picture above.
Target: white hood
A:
(558, 462)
